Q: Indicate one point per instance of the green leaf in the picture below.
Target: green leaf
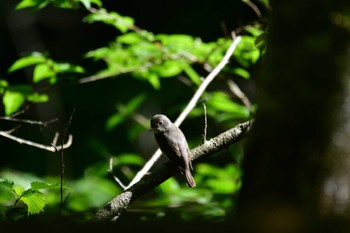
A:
(129, 159)
(18, 190)
(261, 41)
(246, 53)
(36, 4)
(33, 59)
(191, 73)
(3, 85)
(241, 72)
(254, 31)
(223, 103)
(130, 38)
(38, 98)
(224, 186)
(7, 183)
(124, 111)
(169, 68)
(177, 42)
(67, 67)
(36, 185)
(122, 23)
(35, 201)
(153, 79)
(43, 71)
(12, 101)
(114, 120)
(87, 3)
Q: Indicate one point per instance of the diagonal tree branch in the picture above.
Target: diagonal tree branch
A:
(191, 105)
(120, 203)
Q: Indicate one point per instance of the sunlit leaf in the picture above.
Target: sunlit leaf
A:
(88, 195)
(123, 23)
(191, 73)
(36, 185)
(35, 58)
(114, 120)
(124, 111)
(241, 72)
(67, 67)
(128, 159)
(177, 42)
(246, 52)
(34, 200)
(7, 183)
(154, 80)
(36, 4)
(254, 31)
(43, 71)
(12, 101)
(130, 38)
(169, 68)
(222, 102)
(18, 190)
(222, 186)
(3, 85)
(38, 98)
(87, 3)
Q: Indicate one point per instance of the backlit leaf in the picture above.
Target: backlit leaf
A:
(34, 200)
(33, 59)
(38, 98)
(12, 101)
(42, 71)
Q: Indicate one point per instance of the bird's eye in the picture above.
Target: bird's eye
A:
(160, 123)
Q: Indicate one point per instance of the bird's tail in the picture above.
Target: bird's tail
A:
(189, 178)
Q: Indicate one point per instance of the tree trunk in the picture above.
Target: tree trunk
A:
(297, 162)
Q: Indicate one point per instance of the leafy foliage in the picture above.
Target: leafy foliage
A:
(45, 68)
(39, 4)
(33, 198)
(14, 96)
(154, 59)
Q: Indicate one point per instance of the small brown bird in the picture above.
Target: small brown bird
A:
(173, 144)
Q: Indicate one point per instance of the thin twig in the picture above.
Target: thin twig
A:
(37, 145)
(234, 88)
(62, 162)
(110, 171)
(13, 129)
(31, 122)
(253, 7)
(21, 111)
(190, 106)
(205, 124)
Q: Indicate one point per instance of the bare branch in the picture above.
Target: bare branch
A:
(234, 88)
(253, 7)
(190, 106)
(120, 203)
(110, 171)
(51, 148)
(62, 162)
(31, 122)
(205, 124)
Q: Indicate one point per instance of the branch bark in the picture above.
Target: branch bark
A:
(120, 203)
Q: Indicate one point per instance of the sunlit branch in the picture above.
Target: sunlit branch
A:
(113, 209)
(52, 147)
(31, 122)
